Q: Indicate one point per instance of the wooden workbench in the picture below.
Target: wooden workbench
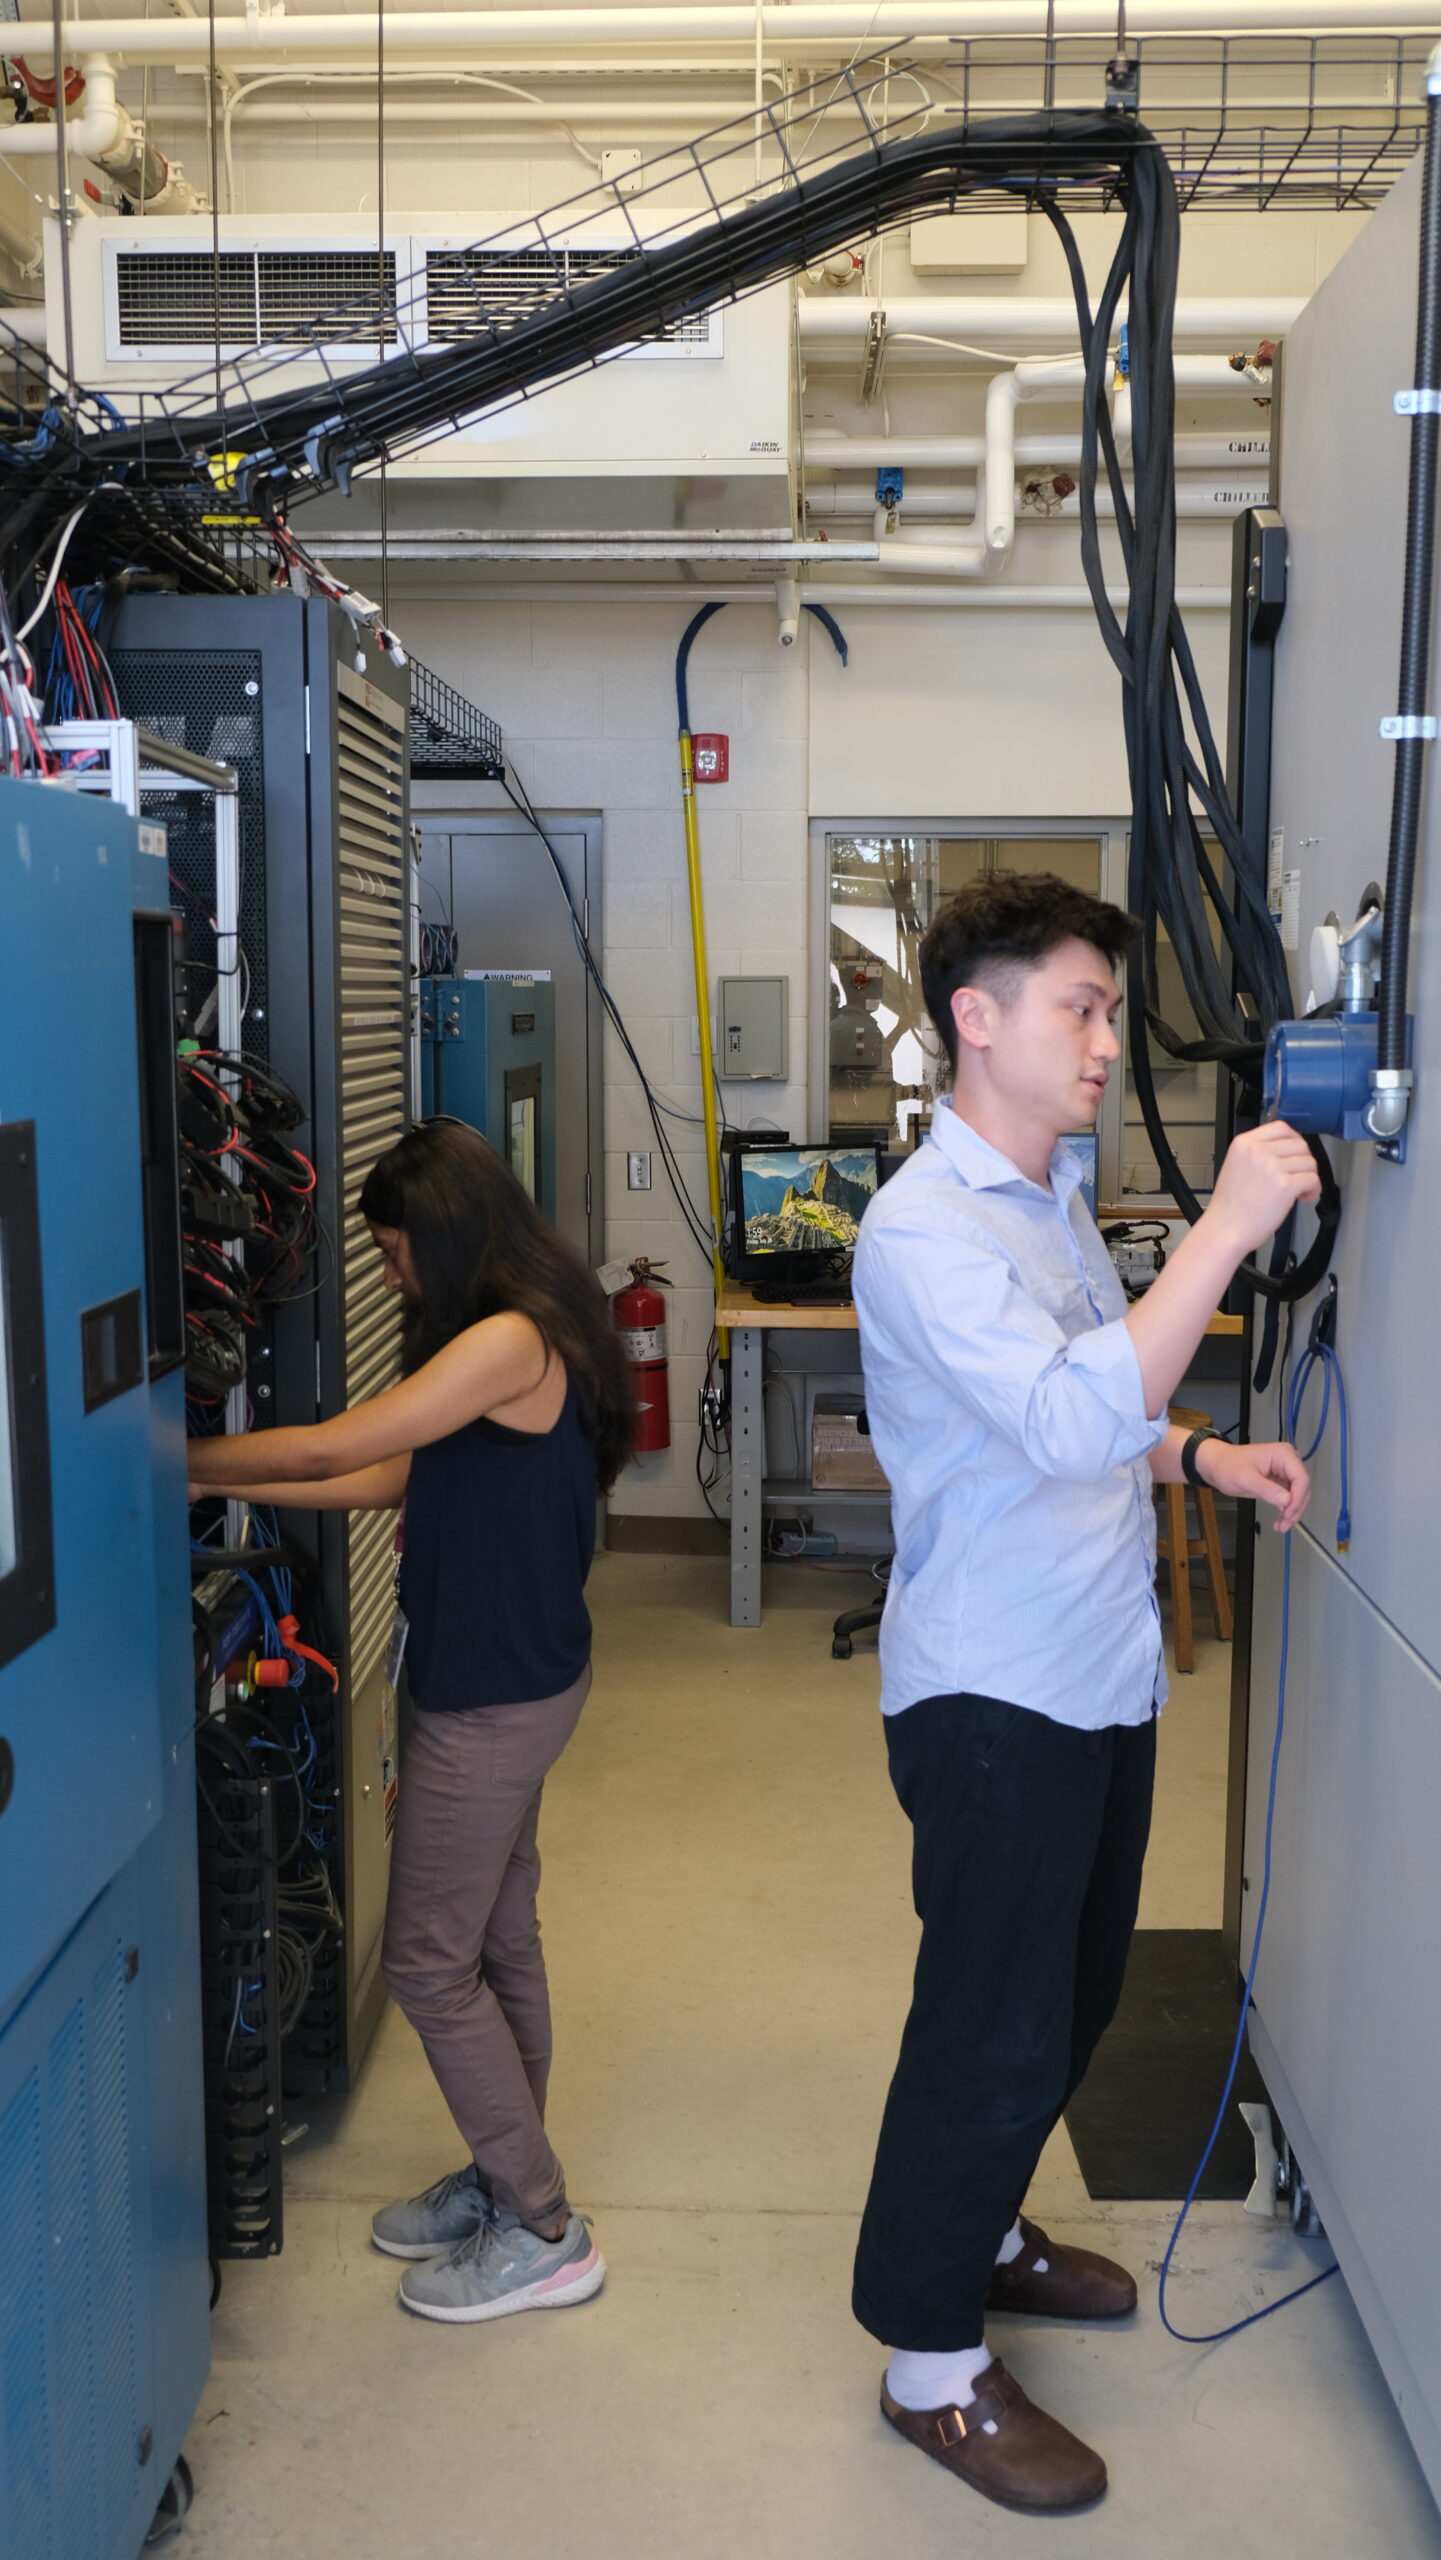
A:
(740, 1314)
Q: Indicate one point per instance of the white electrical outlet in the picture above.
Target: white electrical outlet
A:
(637, 1170)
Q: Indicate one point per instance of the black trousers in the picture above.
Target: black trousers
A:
(1028, 1843)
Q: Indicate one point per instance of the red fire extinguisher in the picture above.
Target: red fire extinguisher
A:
(640, 1321)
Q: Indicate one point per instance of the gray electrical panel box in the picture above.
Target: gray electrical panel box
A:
(753, 1029)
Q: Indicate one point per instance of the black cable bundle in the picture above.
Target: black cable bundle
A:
(298, 438)
(307, 435)
(1173, 883)
(251, 1233)
(1411, 691)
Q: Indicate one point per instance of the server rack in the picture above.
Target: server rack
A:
(317, 730)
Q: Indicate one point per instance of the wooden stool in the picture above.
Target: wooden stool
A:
(1178, 1547)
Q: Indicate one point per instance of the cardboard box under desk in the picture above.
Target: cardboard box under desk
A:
(841, 1452)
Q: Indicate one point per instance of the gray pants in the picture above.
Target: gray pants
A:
(462, 1952)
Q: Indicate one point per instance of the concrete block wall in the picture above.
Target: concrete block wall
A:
(585, 695)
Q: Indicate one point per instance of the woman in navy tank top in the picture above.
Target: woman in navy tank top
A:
(515, 1412)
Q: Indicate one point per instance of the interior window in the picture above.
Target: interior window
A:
(884, 890)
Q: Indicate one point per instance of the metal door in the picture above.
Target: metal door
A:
(497, 886)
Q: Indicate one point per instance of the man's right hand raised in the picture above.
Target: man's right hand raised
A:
(1267, 1173)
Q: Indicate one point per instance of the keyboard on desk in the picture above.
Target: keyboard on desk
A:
(805, 1293)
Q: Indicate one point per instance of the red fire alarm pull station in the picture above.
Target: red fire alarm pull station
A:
(710, 757)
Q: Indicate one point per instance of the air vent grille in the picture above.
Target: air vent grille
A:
(471, 289)
(259, 297)
(373, 998)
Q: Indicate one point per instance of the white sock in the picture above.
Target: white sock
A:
(1011, 2247)
(920, 2381)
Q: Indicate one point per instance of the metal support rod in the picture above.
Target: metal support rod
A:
(62, 167)
(702, 997)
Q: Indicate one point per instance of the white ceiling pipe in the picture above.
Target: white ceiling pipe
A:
(26, 320)
(107, 135)
(930, 559)
(598, 547)
(852, 501)
(1003, 599)
(102, 125)
(879, 591)
(628, 116)
(1014, 321)
(779, 24)
(825, 452)
(1007, 390)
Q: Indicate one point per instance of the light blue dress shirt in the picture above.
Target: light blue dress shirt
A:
(1006, 1407)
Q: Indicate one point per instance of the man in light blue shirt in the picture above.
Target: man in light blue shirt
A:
(1019, 1410)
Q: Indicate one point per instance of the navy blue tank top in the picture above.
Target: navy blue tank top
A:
(499, 1535)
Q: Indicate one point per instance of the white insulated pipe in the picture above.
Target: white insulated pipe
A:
(1010, 322)
(778, 25)
(1003, 396)
(853, 501)
(824, 452)
(881, 591)
(993, 529)
(931, 559)
(104, 132)
(89, 135)
(26, 320)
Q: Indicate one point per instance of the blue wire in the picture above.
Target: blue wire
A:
(1323, 1354)
(1330, 1368)
(267, 1617)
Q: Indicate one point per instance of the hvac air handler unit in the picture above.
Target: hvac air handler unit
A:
(103, 2279)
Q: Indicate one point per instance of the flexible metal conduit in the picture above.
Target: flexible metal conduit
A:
(1391, 1079)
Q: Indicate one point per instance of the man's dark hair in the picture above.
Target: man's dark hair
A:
(1010, 921)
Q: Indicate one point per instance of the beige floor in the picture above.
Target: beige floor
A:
(730, 1939)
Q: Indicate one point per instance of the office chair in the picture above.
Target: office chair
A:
(855, 1622)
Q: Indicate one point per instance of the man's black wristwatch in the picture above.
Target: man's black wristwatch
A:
(1189, 1468)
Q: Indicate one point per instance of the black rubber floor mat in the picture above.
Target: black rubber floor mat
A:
(1139, 2121)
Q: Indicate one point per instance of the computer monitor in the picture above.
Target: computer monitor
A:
(790, 1204)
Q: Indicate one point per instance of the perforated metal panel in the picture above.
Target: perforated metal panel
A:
(370, 772)
(25, 2479)
(71, 2449)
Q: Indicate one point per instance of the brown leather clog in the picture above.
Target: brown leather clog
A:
(1077, 2285)
(1031, 2463)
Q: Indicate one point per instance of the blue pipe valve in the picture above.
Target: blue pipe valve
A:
(1317, 1075)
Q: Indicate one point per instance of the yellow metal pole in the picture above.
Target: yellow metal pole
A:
(702, 1001)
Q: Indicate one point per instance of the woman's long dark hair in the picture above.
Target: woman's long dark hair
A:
(480, 1247)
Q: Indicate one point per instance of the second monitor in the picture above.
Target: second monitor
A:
(790, 1203)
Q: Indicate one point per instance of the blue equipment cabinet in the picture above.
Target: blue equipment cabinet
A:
(487, 1056)
(103, 2271)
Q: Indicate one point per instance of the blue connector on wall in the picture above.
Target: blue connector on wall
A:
(1317, 1077)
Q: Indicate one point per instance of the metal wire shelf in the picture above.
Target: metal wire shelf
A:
(450, 739)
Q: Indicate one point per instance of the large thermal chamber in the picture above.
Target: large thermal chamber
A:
(104, 2329)
(1346, 2025)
